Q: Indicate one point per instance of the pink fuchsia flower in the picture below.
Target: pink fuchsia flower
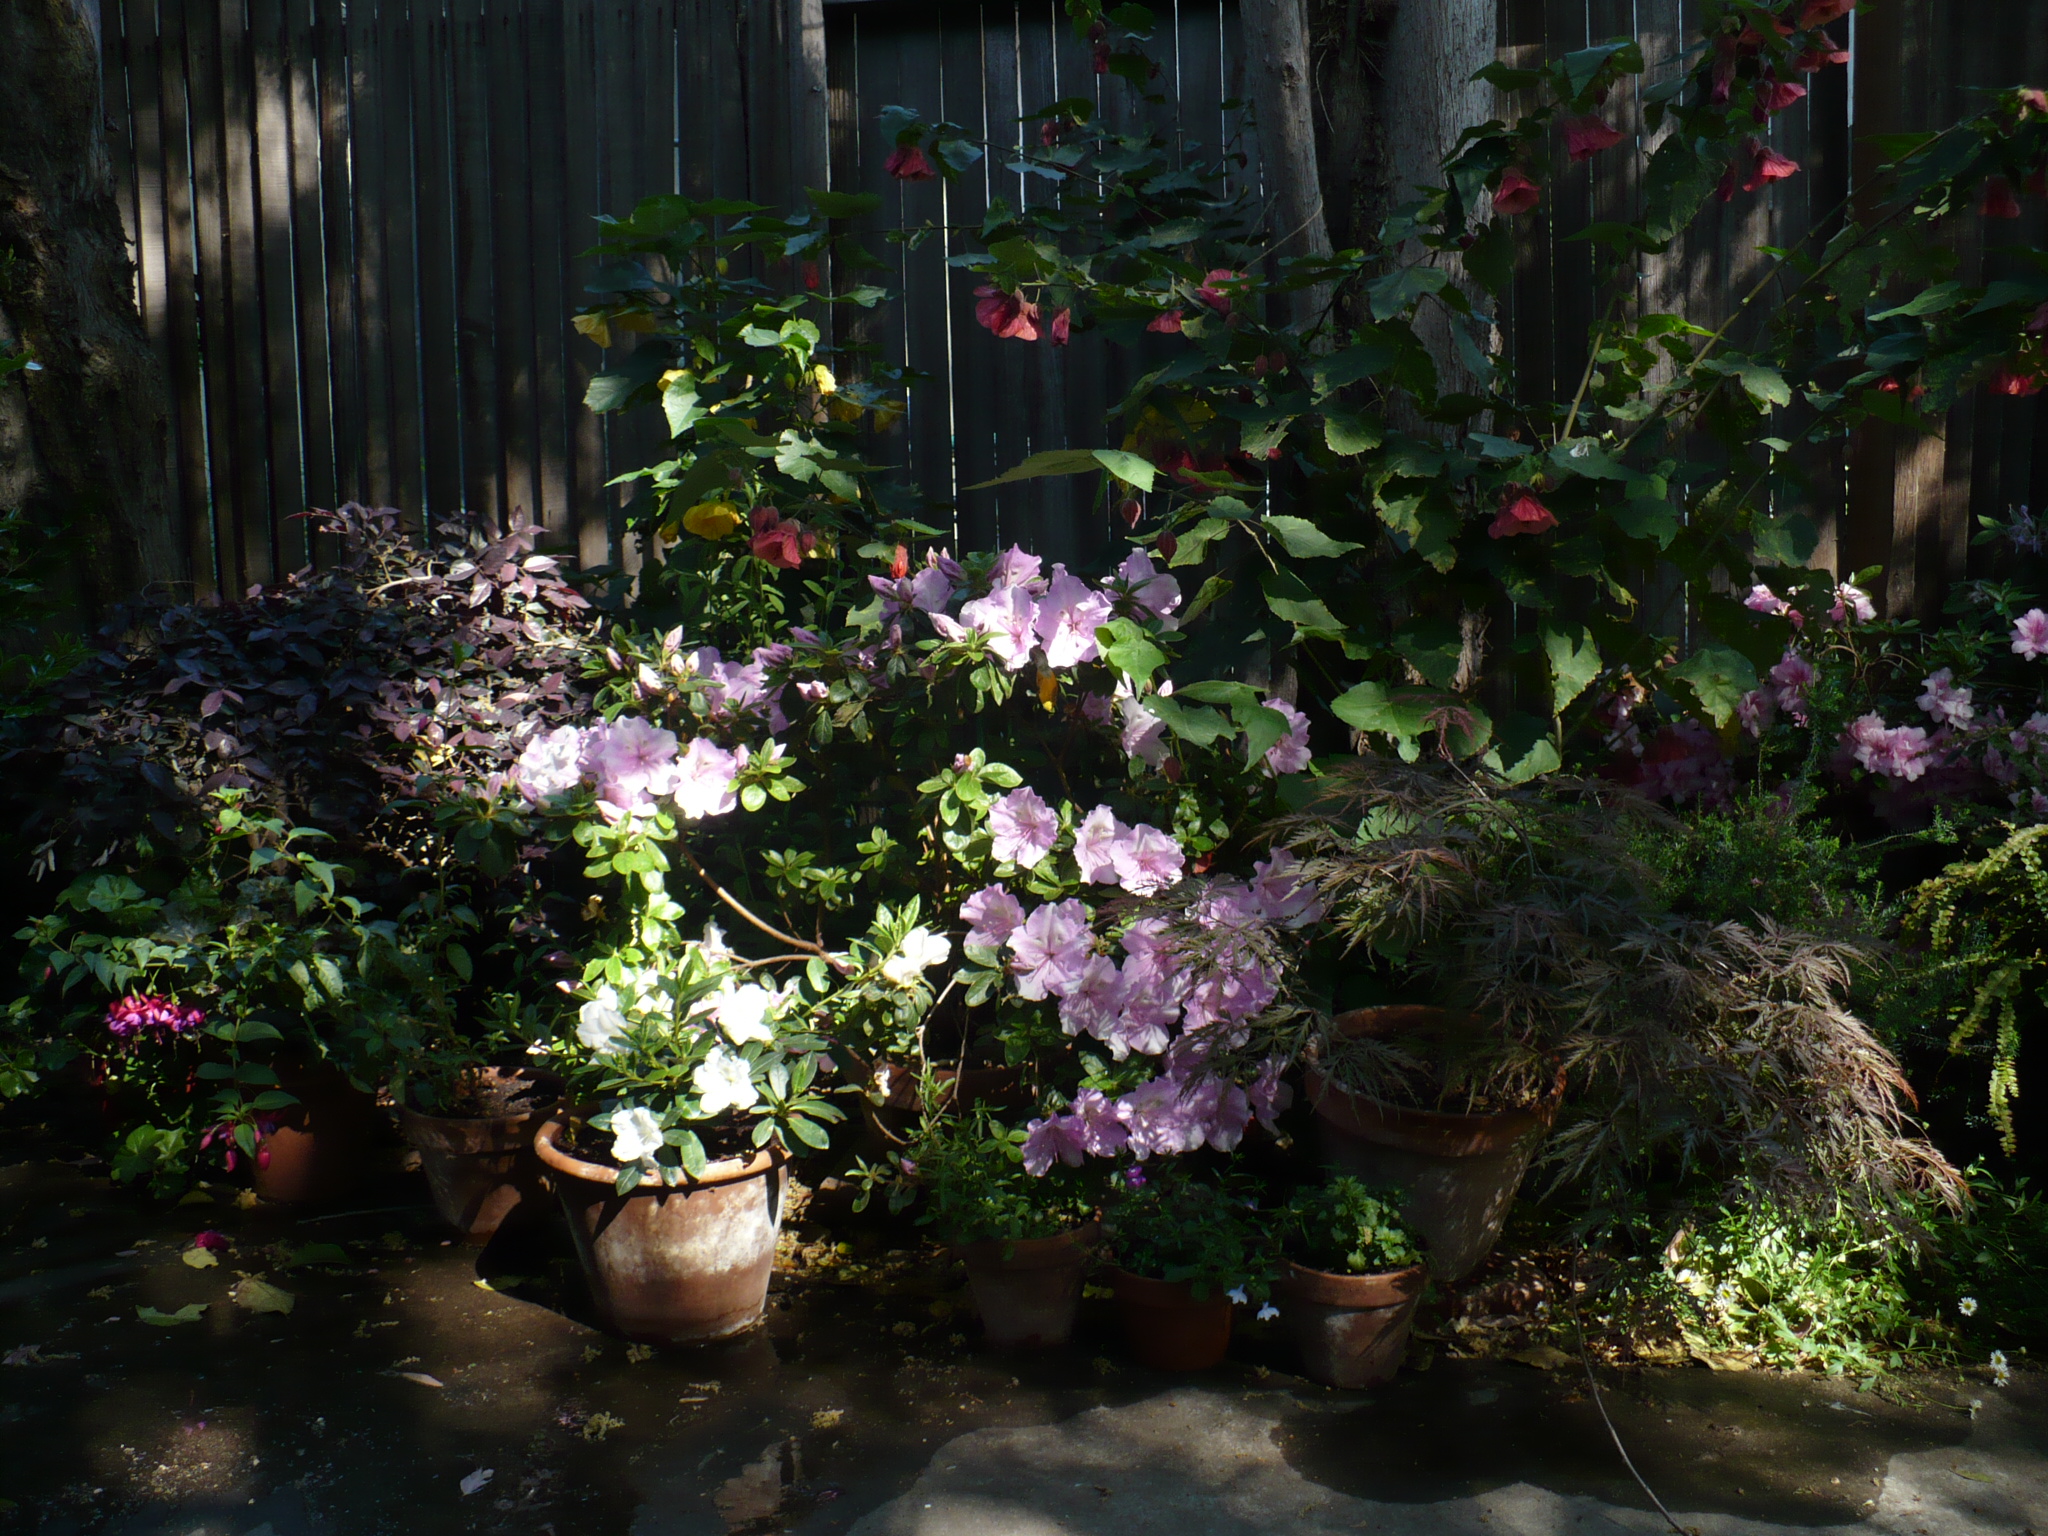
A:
(139, 1011)
(211, 1241)
(1851, 601)
(2030, 634)
(1585, 137)
(1052, 950)
(1941, 698)
(1008, 617)
(1095, 843)
(1516, 193)
(992, 915)
(1147, 860)
(1166, 323)
(1053, 1139)
(908, 162)
(551, 765)
(704, 779)
(1213, 293)
(1520, 513)
(1023, 828)
(1061, 327)
(2009, 381)
(1068, 616)
(782, 542)
(1774, 96)
(1152, 592)
(1998, 201)
(1766, 165)
(1008, 315)
(1290, 753)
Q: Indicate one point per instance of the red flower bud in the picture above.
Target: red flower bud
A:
(1130, 509)
(1999, 203)
(908, 162)
(1516, 193)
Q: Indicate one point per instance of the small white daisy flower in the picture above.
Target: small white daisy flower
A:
(1967, 1306)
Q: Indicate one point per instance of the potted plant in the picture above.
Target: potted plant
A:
(1349, 1281)
(1024, 1238)
(1186, 1248)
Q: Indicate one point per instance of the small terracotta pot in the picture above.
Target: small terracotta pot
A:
(1167, 1326)
(1028, 1291)
(673, 1266)
(1351, 1330)
(482, 1167)
(1457, 1173)
(317, 1151)
(896, 1117)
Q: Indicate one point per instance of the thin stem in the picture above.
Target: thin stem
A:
(838, 963)
(1579, 1325)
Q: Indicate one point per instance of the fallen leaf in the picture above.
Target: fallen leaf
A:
(195, 1197)
(199, 1258)
(1975, 1477)
(188, 1314)
(477, 1479)
(827, 1418)
(317, 1253)
(259, 1295)
(1544, 1357)
(247, 1200)
(421, 1377)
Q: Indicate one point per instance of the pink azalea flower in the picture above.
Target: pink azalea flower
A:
(2030, 634)
(1095, 1001)
(1290, 753)
(1103, 1131)
(1585, 137)
(1015, 568)
(1147, 860)
(932, 588)
(1516, 193)
(1095, 846)
(1754, 710)
(1153, 593)
(1793, 676)
(1023, 827)
(1144, 733)
(1053, 1139)
(1948, 704)
(1007, 616)
(1052, 950)
(1267, 1094)
(551, 765)
(992, 915)
(1068, 616)
(704, 779)
(1852, 600)
(631, 761)
(1284, 898)
(1762, 599)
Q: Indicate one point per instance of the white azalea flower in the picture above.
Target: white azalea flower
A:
(600, 1024)
(636, 1136)
(725, 1082)
(920, 950)
(742, 1012)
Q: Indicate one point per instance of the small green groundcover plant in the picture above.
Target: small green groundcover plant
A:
(1166, 1223)
(969, 1169)
(1345, 1228)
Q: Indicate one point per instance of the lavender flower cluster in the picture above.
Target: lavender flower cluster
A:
(147, 1011)
(633, 766)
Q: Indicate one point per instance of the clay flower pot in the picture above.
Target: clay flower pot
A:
(1167, 1326)
(672, 1266)
(316, 1149)
(1351, 1330)
(1027, 1291)
(1457, 1173)
(896, 1117)
(481, 1167)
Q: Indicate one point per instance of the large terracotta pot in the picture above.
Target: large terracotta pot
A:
(1028, 1291)
(1457, 1173)
(482, 1167)
(1351, 1330)
(317, 1148)
(674, 1266)
(1168, 1327)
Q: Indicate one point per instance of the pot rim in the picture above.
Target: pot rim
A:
(725, 1171)
(1322, 1287)
(1030, 1252)
(1147, 1288)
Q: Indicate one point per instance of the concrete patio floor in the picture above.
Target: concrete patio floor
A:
(407, 1367)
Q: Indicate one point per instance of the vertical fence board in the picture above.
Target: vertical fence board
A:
(439, 363)
(309, 276)
(472, 153)
(514, 217)
(588, 526)
(282, 368)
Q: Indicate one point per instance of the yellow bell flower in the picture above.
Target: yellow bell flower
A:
(712, 519)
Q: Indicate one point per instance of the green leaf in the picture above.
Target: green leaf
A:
(1053, 461)
(809, 1132)
(1764, 385)
(1929, 301)
(459, 962)
(627, 1181)
(1392, 294)
(186, 1314)
(1213, 591)
(679, 404)
(1332, 373)
(1190, 722)
(689, 1151)
(255, 1294)
(1289, 598)
(1718, 677)
(1585, 456)
(610, 390)
(1129, 649)
(1350, 434)
(1370, 707)
(1523, 749)
(1574, 663)
(1195, 542)
(1133, 469)
(1305, 541)
(1262, 728)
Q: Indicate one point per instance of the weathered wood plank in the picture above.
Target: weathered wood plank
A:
(276, 270)
(515, 215)
(309, 255)
(440, 408)
(472, 152)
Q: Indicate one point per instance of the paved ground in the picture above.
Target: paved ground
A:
(396, 1379)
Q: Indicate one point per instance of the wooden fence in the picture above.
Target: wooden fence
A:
(358, 223)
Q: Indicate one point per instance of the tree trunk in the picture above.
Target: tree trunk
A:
(95, 458)
(1276, 39)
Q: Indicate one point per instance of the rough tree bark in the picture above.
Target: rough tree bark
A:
(1276, 39)
(94, 458)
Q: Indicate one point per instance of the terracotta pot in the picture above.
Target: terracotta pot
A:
(317, 1148)
(1351, 1330)
(896, 1117)
(674, 1266)
(1167, 1327)
(1457, 1173)
(1027, 1291)
(482, 1167)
